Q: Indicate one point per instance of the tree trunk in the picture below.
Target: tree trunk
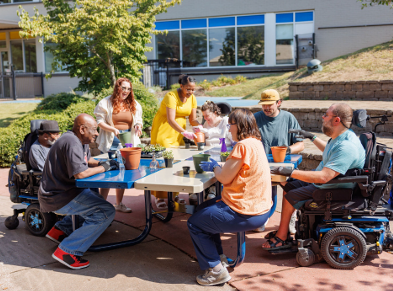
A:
(111, 70)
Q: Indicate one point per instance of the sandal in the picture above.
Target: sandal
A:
(273, 233)
(179, 200)
(285, 244)
(161, 204)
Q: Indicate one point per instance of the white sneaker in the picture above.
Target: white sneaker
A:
(261, 228)
(211, 278)
(122, 208)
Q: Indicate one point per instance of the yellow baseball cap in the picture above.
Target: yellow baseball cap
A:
(269, 97)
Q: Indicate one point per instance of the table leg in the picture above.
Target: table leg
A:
(218, 189)
(200, 197)
(136, 240)
(241, 250)
(274, 198)
(169, 214)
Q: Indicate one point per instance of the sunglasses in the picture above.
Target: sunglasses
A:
(125, 89)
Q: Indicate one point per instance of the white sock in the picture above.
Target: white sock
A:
(217, 268)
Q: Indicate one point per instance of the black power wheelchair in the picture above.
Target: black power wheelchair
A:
(23, 184)
(342, 226)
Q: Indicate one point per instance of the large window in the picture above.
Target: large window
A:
(213, 42)
(168, 46)
(49, 60)
(194, 48)
(30, 56)
(231, 41)
(222, 47)
(250, 45)
(17, 55)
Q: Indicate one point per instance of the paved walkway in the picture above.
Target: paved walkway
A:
(166, 260)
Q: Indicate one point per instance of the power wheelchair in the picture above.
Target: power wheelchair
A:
(23, 184)
(342, 226)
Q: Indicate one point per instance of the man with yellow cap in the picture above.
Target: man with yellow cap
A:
(274, 124)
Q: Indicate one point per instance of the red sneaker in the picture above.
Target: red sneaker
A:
(71, 261)
(56, 235)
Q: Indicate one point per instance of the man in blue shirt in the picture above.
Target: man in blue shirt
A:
(274, 125)
(341, 153)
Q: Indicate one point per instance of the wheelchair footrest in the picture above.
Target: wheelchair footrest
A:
(284, 251)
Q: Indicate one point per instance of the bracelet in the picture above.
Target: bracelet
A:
(313, 138)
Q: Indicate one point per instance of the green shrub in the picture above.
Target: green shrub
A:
(205, 85)
(64, 112)
(60, 101)
(175, 86)
(240, 79)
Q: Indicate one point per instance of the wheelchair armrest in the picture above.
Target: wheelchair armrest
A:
(349, 179)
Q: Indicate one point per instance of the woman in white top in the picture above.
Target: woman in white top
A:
(116, 114)
(215, 126)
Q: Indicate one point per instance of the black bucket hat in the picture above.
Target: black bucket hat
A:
(49, 126)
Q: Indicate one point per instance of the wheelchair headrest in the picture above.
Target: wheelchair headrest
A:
(360, 118)
(225, 107)
(35, 125)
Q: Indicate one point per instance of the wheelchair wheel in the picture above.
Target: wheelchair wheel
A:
(343, 248)
(37, 222)
(11, 222)
(305, 259)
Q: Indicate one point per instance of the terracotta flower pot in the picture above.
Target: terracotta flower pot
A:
(132, 157)
(279, 153)
(200, 137)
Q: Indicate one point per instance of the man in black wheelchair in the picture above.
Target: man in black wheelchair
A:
(48, 133)
(342, 187)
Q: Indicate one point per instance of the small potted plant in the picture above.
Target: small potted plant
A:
(224, 156)
(168, 158)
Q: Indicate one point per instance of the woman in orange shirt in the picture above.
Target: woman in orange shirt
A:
(245, 201)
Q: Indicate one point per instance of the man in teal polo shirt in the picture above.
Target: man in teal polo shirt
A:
(341, 153)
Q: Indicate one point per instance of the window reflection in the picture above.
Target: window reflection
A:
(194, 48)
(16, 55)
(250, 46)
(30, 56)
(222, 47)
(284, 44)
(168, 45)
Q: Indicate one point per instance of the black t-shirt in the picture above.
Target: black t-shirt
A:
(66, 158)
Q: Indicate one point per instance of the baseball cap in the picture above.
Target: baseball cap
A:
(269, 97)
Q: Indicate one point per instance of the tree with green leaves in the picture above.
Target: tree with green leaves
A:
(366, 3)
(96, 40)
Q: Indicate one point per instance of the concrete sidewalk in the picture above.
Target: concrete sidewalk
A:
(166, 260)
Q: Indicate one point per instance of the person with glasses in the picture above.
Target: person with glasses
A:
(115, 114)
(341, 153)
(69, 159)
(48, 133)
(273, 124)
(169, 124)
(245, 201)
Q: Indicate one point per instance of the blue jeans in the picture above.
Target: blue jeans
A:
(95, 216)
(211, 219)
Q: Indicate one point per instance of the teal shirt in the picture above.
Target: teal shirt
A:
(274, 130)
(341, 154)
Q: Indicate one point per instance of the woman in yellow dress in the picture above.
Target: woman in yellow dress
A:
(169, 124)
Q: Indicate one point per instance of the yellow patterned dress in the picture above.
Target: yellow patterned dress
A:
(162, 133)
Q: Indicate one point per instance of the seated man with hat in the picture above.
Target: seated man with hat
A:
(48, 133)
(274, 124)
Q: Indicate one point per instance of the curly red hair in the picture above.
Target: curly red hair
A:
(129, 102)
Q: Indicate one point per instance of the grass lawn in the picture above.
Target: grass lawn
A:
(373, 63)
(11, 111)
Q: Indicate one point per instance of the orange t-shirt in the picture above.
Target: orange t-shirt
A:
(250, 192)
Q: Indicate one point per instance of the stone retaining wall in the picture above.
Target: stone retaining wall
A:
(349, 90)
